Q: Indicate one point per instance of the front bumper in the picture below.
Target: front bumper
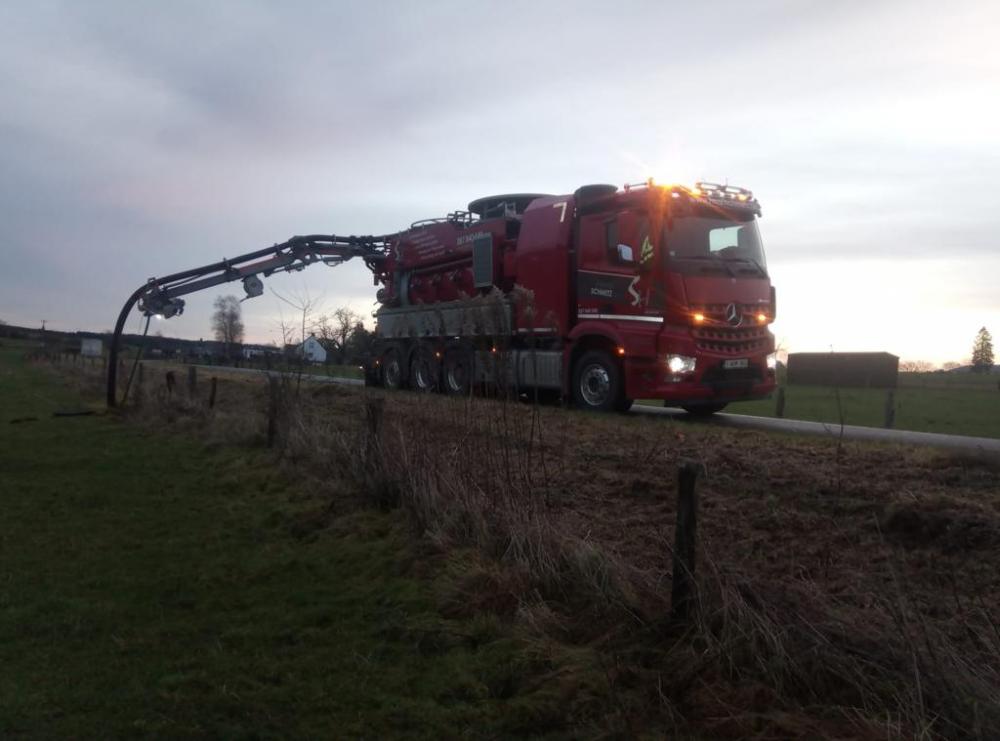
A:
(651, 380)
(711, 381)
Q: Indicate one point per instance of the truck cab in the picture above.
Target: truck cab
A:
(672, 283)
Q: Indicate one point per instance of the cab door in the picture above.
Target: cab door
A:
(614, 265)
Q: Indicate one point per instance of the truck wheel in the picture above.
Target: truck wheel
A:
(392, 370)
(597, 382)
(703, 410)
(423, 371)
(457, 372)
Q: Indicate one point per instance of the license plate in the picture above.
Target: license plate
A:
(736, 363)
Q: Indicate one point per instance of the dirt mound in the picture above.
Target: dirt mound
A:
(940, 525)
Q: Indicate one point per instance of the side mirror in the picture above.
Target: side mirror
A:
(625, 253)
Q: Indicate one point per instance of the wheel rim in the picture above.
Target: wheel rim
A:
(456, 376)
(422, 375)
(595, 385)
(392, 373)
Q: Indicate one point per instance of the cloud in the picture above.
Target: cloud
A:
(139, 139)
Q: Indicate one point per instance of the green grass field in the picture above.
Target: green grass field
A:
(968, 407)
(150, 586)
(947, 403)
(968, 381)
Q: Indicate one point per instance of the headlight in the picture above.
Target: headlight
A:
(680, 363)
(772, 361)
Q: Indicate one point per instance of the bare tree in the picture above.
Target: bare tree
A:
(227, 321)
(335, 331)
(305, 324)
(306, 307)
(951, 365)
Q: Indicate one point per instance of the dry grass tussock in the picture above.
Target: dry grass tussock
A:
(464, 491)
(883, 671)
(843, 591)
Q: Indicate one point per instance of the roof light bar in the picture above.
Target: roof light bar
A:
(730, 194)
(714, 190)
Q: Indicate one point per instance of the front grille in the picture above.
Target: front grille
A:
(716, 313)
(732, 341)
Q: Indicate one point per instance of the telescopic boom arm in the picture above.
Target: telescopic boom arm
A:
(161, 296)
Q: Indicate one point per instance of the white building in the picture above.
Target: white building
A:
(91, 347)
(312, 350)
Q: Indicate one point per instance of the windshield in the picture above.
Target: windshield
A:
(734, 243)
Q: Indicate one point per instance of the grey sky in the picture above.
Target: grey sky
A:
(138, 139)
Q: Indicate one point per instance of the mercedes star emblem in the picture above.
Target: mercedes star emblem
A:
(733, 315)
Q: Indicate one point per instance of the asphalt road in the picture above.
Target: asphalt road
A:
(987, 445)
(823, 429)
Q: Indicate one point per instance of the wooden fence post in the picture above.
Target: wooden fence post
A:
(192, 381)
(211, 392)
(121, 371)
(779, 404)
(171, 381)
(373, 415)
(890, 409)
(274, 392)
(682, 595)
(138, 385)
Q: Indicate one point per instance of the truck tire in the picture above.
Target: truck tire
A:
(424, 371)
(597, 382)
(457, 372)
(703, 410)
(392, 370)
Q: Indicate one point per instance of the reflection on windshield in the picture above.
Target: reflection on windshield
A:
(713, 238)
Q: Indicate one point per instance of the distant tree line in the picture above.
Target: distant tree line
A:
(342, 333)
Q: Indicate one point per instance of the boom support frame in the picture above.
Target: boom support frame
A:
(161, 296)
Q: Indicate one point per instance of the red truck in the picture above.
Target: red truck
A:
(603, 296)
